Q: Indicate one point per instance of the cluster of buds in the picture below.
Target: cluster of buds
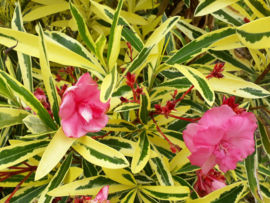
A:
(207, 183)
(231, 103)
(40, 95)
(69, 70)
(62, 90)
(166, 110)
(246, 20)
(131, 80)
(216, 73)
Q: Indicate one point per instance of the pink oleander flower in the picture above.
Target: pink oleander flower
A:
(220, 137)
(101, 197)
(208, 183)
(81, 109)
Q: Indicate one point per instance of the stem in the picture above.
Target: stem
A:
(102, 136)
(264, 73)
(260, 107)
(18, 186)
(181, 98)
(185, 119)
(158, 129)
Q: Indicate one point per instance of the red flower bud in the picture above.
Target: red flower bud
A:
(246, 20)
(123, 99)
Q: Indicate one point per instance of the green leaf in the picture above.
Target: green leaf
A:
(145, 105)
(251, 165)
(56, 180)
(264, 133)
(108, 85)
(11, 155)
(199, 45)
(10, 117)
(259, 7)
(142, 153)
(29, 99)
(88, 186)
(25, 194)
(35, 124)
(99, 154)
(89, 169)
(47, 76)
(24, 59)
(82, 28)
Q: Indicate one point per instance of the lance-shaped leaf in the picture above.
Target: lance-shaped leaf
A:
(259, 7)
(56, 180)
(82, 28)
(29, 99)
(25, 194)
(251, 165)
(24, 60)
(47, 76)
(12, 155)
(124, 146)
(100, 45)
(4, 136)
(168, 38)
(208, 6)
(121, 176)
(129, 197)
(53, 153)
(199, 81)
(128, 33)
(35, 125)
(170, 193)
(88, 186)
(199, 45)
(99, 154)
(264, 133)
(238, 88)
(146, 198)
(231, 193)
(142, 153)
(89, 170)
(230, 15)
(127, 107)
(28, 44)
(114, 38)
(182, 182)
(13, 181)
(77, 48)
(229, 57)
(145, 105)
(10, 117)
(154, 39)
(119, 125)
(72, 174)
(162, 172)
(108, 85)
(45, 11)
(255, 35)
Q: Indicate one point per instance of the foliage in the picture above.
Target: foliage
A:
(158, 73)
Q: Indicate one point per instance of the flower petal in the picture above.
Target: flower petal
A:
(208, 164)
(85, 79)
(188, 135)
(102, 194)
(72, 126)
(200, 155)
(86, 112)
(83, 93)
(67, 107)
(95, 100)
(240, 134)
(96, 125)
(208, 137)
(216, 116)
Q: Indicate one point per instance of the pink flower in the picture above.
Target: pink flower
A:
(220, 137)
(208, 183)
(231, 103)
(81, 109)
